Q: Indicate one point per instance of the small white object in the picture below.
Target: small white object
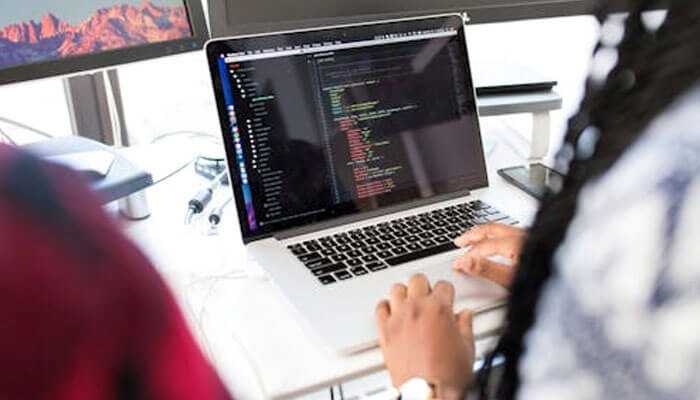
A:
(416, 389)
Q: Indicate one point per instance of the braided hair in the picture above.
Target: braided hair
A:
(655, 66)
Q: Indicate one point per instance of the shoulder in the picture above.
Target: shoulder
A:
(622, 309)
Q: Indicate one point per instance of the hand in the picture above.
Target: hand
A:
(487, 241)
(421, 337)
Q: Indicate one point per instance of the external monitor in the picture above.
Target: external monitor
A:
(43, 38)
(230, 17)
(82, 40)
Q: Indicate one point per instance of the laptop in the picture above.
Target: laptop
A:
(354, 152)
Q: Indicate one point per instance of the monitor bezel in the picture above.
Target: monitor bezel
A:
(214, 48)
(114, 58)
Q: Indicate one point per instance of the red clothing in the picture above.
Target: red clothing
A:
(83, 314)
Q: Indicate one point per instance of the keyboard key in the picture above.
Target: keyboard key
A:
(313, 247)
(383, 246)
(427, 243)
(339, 257)
(327, 252)
(310, 242)
(372, 241)
(369, 258)
(376, 266)
(412, 238)
(298, 251)
(442, 239)
(356, 245)
(354, 262)
(454, 228)
(372, 233)
(354, 254)
(421, 254)
(343, 248)
(329, 269)
(398, 242)
(369, 250)
(343, 275)
(327, 279)
(400, 233)
(318, 263)
(387, 237)
(399, 251)
(309, 257)
(426, 235)
(440, 231)
(413, 247)
(385, 254)
(329, 244)
(359, 271)
(478, 205)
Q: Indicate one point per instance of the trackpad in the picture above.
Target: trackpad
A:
(471, 292)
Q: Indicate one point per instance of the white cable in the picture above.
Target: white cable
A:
(193, 134)
(26, 127)
(7, 137)
(253, 366)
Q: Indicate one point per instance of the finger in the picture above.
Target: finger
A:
(465, 324)
(418, 286)
(445, 292)
(382, 314)
(505, 247)
(397, 296)
(487, 269)
(481, 232)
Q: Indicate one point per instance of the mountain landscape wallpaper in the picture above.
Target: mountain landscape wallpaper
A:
(56, 29)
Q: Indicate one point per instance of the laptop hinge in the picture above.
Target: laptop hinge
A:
(336, 222)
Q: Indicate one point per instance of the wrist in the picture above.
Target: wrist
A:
(447, 392)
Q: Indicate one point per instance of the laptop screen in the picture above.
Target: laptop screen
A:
(326, 123)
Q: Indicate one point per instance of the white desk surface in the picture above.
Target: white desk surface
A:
(241, 319)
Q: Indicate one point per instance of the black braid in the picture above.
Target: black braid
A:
(654, 68)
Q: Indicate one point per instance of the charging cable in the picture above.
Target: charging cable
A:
(217, 213)
(201, 200)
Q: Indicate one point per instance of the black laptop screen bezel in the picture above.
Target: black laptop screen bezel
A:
(216, 48)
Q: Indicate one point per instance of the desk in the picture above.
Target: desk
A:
(242, 321)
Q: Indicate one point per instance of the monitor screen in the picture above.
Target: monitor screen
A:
(48, 30)
(342, 121)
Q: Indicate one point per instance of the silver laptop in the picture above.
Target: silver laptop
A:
(353, 152)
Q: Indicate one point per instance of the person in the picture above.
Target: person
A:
(605, 294)
(84, 314)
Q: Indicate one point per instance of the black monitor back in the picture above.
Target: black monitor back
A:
(233, 17)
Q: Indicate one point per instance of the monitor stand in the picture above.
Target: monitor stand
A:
(97, 113)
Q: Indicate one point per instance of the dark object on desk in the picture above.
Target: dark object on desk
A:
(537, 180)
(111, 175)
(500, 77)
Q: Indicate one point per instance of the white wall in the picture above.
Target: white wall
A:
(174, 93)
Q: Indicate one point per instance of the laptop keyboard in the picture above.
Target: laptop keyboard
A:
(375, 248)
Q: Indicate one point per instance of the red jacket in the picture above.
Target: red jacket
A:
(83, 314)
